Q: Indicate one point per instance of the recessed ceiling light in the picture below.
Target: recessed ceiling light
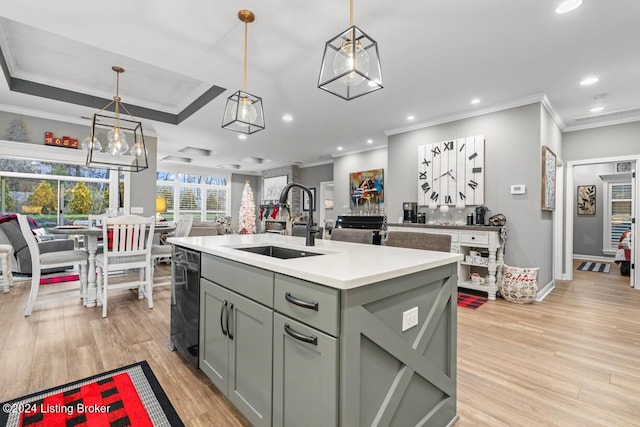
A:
(475, 101)
(242, 136)
(412, 117)
(340, 148)
(596, 109)
(568, 6)
(588, 81)
(287, 118)
(369, 141)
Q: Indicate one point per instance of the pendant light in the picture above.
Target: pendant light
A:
(243, 112)
(351, 63)
(119, 155)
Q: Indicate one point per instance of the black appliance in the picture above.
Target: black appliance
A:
(410, 212)
(422, 218)
(185, 303)
(481, 211)
(370, 222)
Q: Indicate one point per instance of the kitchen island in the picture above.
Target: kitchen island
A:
(342, 334)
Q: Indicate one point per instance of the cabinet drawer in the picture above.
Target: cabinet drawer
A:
(475, 238)
(252, 282)
(307, 302)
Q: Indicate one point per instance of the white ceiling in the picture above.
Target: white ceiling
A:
(436, 56)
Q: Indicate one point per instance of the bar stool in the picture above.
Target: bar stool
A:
(6, 253)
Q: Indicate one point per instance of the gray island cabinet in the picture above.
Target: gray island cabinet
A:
(325, 340)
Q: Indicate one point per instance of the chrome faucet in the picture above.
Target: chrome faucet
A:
(311, 229)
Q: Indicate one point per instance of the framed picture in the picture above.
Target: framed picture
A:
(586, 199)
(623, 167)
(272, 187)
(305, 200)
(548, 179)
(367, 186)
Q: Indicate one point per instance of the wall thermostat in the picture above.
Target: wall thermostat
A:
(518, 189)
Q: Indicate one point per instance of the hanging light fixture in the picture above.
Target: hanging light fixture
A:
(243, 112)
(118, 155)
(351, 63)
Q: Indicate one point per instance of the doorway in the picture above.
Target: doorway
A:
(325, 206)
(571, 212)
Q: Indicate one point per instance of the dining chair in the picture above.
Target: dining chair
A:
(413, 240)
(354, 235)
(46, 260)
(6, 253)
(127, 246)
(158, 252)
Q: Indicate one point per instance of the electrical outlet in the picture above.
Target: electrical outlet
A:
(137, 210)
(409, 318)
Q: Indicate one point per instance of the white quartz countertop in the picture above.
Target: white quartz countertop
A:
(342, 266)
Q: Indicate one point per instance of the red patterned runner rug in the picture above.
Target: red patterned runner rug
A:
(129, 396)
(470, 301)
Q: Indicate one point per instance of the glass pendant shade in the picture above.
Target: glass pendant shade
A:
(87, 145)
(243, 113)
(351, 65)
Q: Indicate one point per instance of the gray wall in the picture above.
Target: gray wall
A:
(512, 156)
(606, 141)
(343, 166)
(588, 229)
(312, 176)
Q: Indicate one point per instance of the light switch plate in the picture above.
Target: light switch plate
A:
(409, 318)
(518, 189)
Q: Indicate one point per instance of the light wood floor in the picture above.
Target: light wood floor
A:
(571, 360)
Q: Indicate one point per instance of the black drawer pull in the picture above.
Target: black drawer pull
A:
(229, 314)
(311, 305)
(300, 337)
(222, 310)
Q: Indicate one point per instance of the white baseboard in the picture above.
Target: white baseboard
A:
(546, 290)
(593, 258)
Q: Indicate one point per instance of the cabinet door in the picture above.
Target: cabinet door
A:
(214, 345)
(305, 375)
(250, 359)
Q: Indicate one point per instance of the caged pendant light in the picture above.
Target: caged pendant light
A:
(119, 155)
(243, 112)
(351, 63)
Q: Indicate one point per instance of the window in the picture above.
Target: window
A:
(52, 193)
(618, 214)
(203, 197)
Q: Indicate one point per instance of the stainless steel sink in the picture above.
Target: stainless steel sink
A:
(278, 252)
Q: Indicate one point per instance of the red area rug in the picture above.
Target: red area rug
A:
(128, 396)
(470, 301)
(59, 279)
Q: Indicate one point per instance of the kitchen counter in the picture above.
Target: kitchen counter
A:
(360, 335)
(342, 266)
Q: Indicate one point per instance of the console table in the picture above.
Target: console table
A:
(465, 238)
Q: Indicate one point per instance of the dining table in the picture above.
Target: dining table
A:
(91, 236)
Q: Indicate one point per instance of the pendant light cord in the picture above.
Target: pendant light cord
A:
(246, 26)
(350, 13)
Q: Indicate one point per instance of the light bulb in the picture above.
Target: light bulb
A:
(349, 60)
(86, 144)
(246, 112)
(137, 149)
(117, 141)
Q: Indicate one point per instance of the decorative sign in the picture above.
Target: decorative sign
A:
(451, 172)
(548, 179)
(64, 141)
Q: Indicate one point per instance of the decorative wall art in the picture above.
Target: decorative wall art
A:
(367, 186)
(586, 199)
(451, 172)
(305, 200)
(623, 167)
(272, 187)
(548, 179)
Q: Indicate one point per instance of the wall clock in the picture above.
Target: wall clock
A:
(451, 172)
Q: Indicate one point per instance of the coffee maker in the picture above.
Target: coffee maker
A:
(481, 212)
(410, 212)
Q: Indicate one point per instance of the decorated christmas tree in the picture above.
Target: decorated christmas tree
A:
(16, 131)
(247, 220)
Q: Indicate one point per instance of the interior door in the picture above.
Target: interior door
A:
(634, 275)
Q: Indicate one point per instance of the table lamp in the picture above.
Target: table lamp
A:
(161, 206)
